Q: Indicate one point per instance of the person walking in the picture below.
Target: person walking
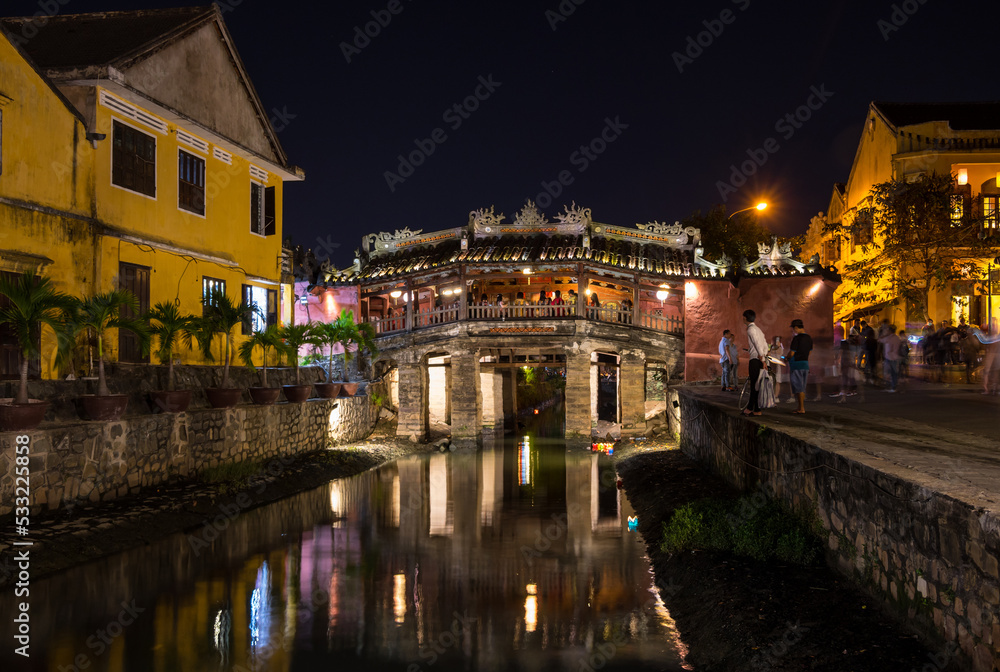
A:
(890, 348)
(758, 353)
(724, 361)
(870, 344)
(798, 362)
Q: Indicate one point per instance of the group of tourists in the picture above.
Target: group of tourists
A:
(761, 376)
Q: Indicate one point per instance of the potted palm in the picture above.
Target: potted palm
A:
(221, 317)
(99, 313)
(33, 303)
(295, 336)
(266, 339)
(363, 336)
(328, 335)
(169, 327)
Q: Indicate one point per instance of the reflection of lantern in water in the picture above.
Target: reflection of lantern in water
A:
(531, 608)
(260, 608)
(633, 523)
(399, 596)
(524, 462)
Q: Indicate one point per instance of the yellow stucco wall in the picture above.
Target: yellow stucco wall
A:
(57, 202)
(882, 156)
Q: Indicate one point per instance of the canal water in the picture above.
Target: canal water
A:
(519, 556)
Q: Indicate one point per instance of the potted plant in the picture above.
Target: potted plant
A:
(329, 334)
(169, 326)
(295, 336)
(99, 313)
(363, 336)
(221, 317)
(33, 303)
(265, 340)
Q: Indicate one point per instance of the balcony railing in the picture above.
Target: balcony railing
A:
(423, 319)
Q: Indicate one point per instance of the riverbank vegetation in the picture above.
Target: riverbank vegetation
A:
(536, 385)
(749, 526)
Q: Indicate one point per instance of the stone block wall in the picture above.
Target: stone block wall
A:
(97, 461)
(927, 556)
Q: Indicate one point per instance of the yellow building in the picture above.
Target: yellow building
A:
(905, 141)
(136, 154)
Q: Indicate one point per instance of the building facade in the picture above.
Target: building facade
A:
(902, 141)
(136, 154)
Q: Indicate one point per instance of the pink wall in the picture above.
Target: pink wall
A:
(712, 306)
(325, 306)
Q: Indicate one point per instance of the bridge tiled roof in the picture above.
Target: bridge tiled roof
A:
(518, 251)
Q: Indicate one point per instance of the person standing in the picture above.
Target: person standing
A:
(724, 361)
(798, 363)
(777, 351)
(870, 345)
(734, 361)
(890, 348)
(758, 352)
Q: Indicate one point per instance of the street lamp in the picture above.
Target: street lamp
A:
(759, 206)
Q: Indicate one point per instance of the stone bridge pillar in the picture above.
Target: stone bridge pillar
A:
(632, 383)
(578, 417)
(492, 385)
(412, 400)
(466, 408)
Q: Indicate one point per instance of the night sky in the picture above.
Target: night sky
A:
(561, 73)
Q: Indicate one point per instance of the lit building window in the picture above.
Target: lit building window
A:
(957, 209)
(990, 212)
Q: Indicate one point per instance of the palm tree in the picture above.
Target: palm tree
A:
(295, 336)
(102, 312)
(170, 327)
(265, 340)
(359, 334)
(34, 302)
(329, 334)
(221, 317)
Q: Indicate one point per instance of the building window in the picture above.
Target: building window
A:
(210, 286)
(1, 142)
(265, 314)
(863, 232)
(190, 183)
(133, 160)
(957, 209)
(262, 219)
(831, 249)
(990, 212)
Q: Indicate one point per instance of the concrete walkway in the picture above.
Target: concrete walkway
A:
(942, 437)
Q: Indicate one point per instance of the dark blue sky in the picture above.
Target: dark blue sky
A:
(673, 125)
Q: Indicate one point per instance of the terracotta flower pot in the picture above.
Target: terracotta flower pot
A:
(328, 390)
(297, 393)
(348, 389)
(223, 397)
(264, 396)
(104, 409)
(18, 417)
(170, 401)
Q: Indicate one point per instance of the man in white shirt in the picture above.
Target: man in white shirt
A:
(758, 352)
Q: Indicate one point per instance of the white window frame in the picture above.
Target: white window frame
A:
(260, 218)
(156, 161)
(204, 162)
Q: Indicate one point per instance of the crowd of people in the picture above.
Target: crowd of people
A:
(864, 356)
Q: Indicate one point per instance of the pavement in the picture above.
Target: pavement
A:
(942, 436)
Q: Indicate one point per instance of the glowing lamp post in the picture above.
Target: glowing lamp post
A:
(759, 206)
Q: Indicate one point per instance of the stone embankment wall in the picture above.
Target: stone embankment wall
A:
(99, 461)
(927, 556)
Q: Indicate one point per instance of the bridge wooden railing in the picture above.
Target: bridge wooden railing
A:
(422, 319)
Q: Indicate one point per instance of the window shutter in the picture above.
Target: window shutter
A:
(247, 327)
(270, 223)
(255, 221)
(272, 307)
